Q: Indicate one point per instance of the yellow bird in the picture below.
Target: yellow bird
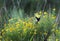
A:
(37, 16)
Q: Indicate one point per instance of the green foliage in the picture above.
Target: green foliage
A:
(1, 3)
(27, 29)
(21, 27)
(17, 13)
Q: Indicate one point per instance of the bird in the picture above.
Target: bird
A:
(37, 16)
(38, 19)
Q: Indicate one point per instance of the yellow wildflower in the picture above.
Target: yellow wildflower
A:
(57, 39)
(40, 12)
(20, 20)
(24, 23)
(17, 22)
(11, 29)
(44, 16)
(57, 30)
(30, 24)
(17, 25)
(2, 30)
(7, 29)
(45, 13)
(27, 25)
(24, 29)
(45, 33)
(53, 17)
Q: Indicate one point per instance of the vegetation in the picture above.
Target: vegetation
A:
(28, 30)
(31, 20)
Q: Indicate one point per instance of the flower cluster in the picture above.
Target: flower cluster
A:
(24, 30)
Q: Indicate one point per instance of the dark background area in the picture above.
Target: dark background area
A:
(28, 6)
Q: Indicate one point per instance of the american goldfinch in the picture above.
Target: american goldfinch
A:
(37, 16)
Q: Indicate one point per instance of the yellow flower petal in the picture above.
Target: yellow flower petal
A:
(45, 13)
(7, 29)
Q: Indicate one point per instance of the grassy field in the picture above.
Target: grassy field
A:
(41, 26)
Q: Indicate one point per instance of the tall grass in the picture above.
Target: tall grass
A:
(27, 29)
